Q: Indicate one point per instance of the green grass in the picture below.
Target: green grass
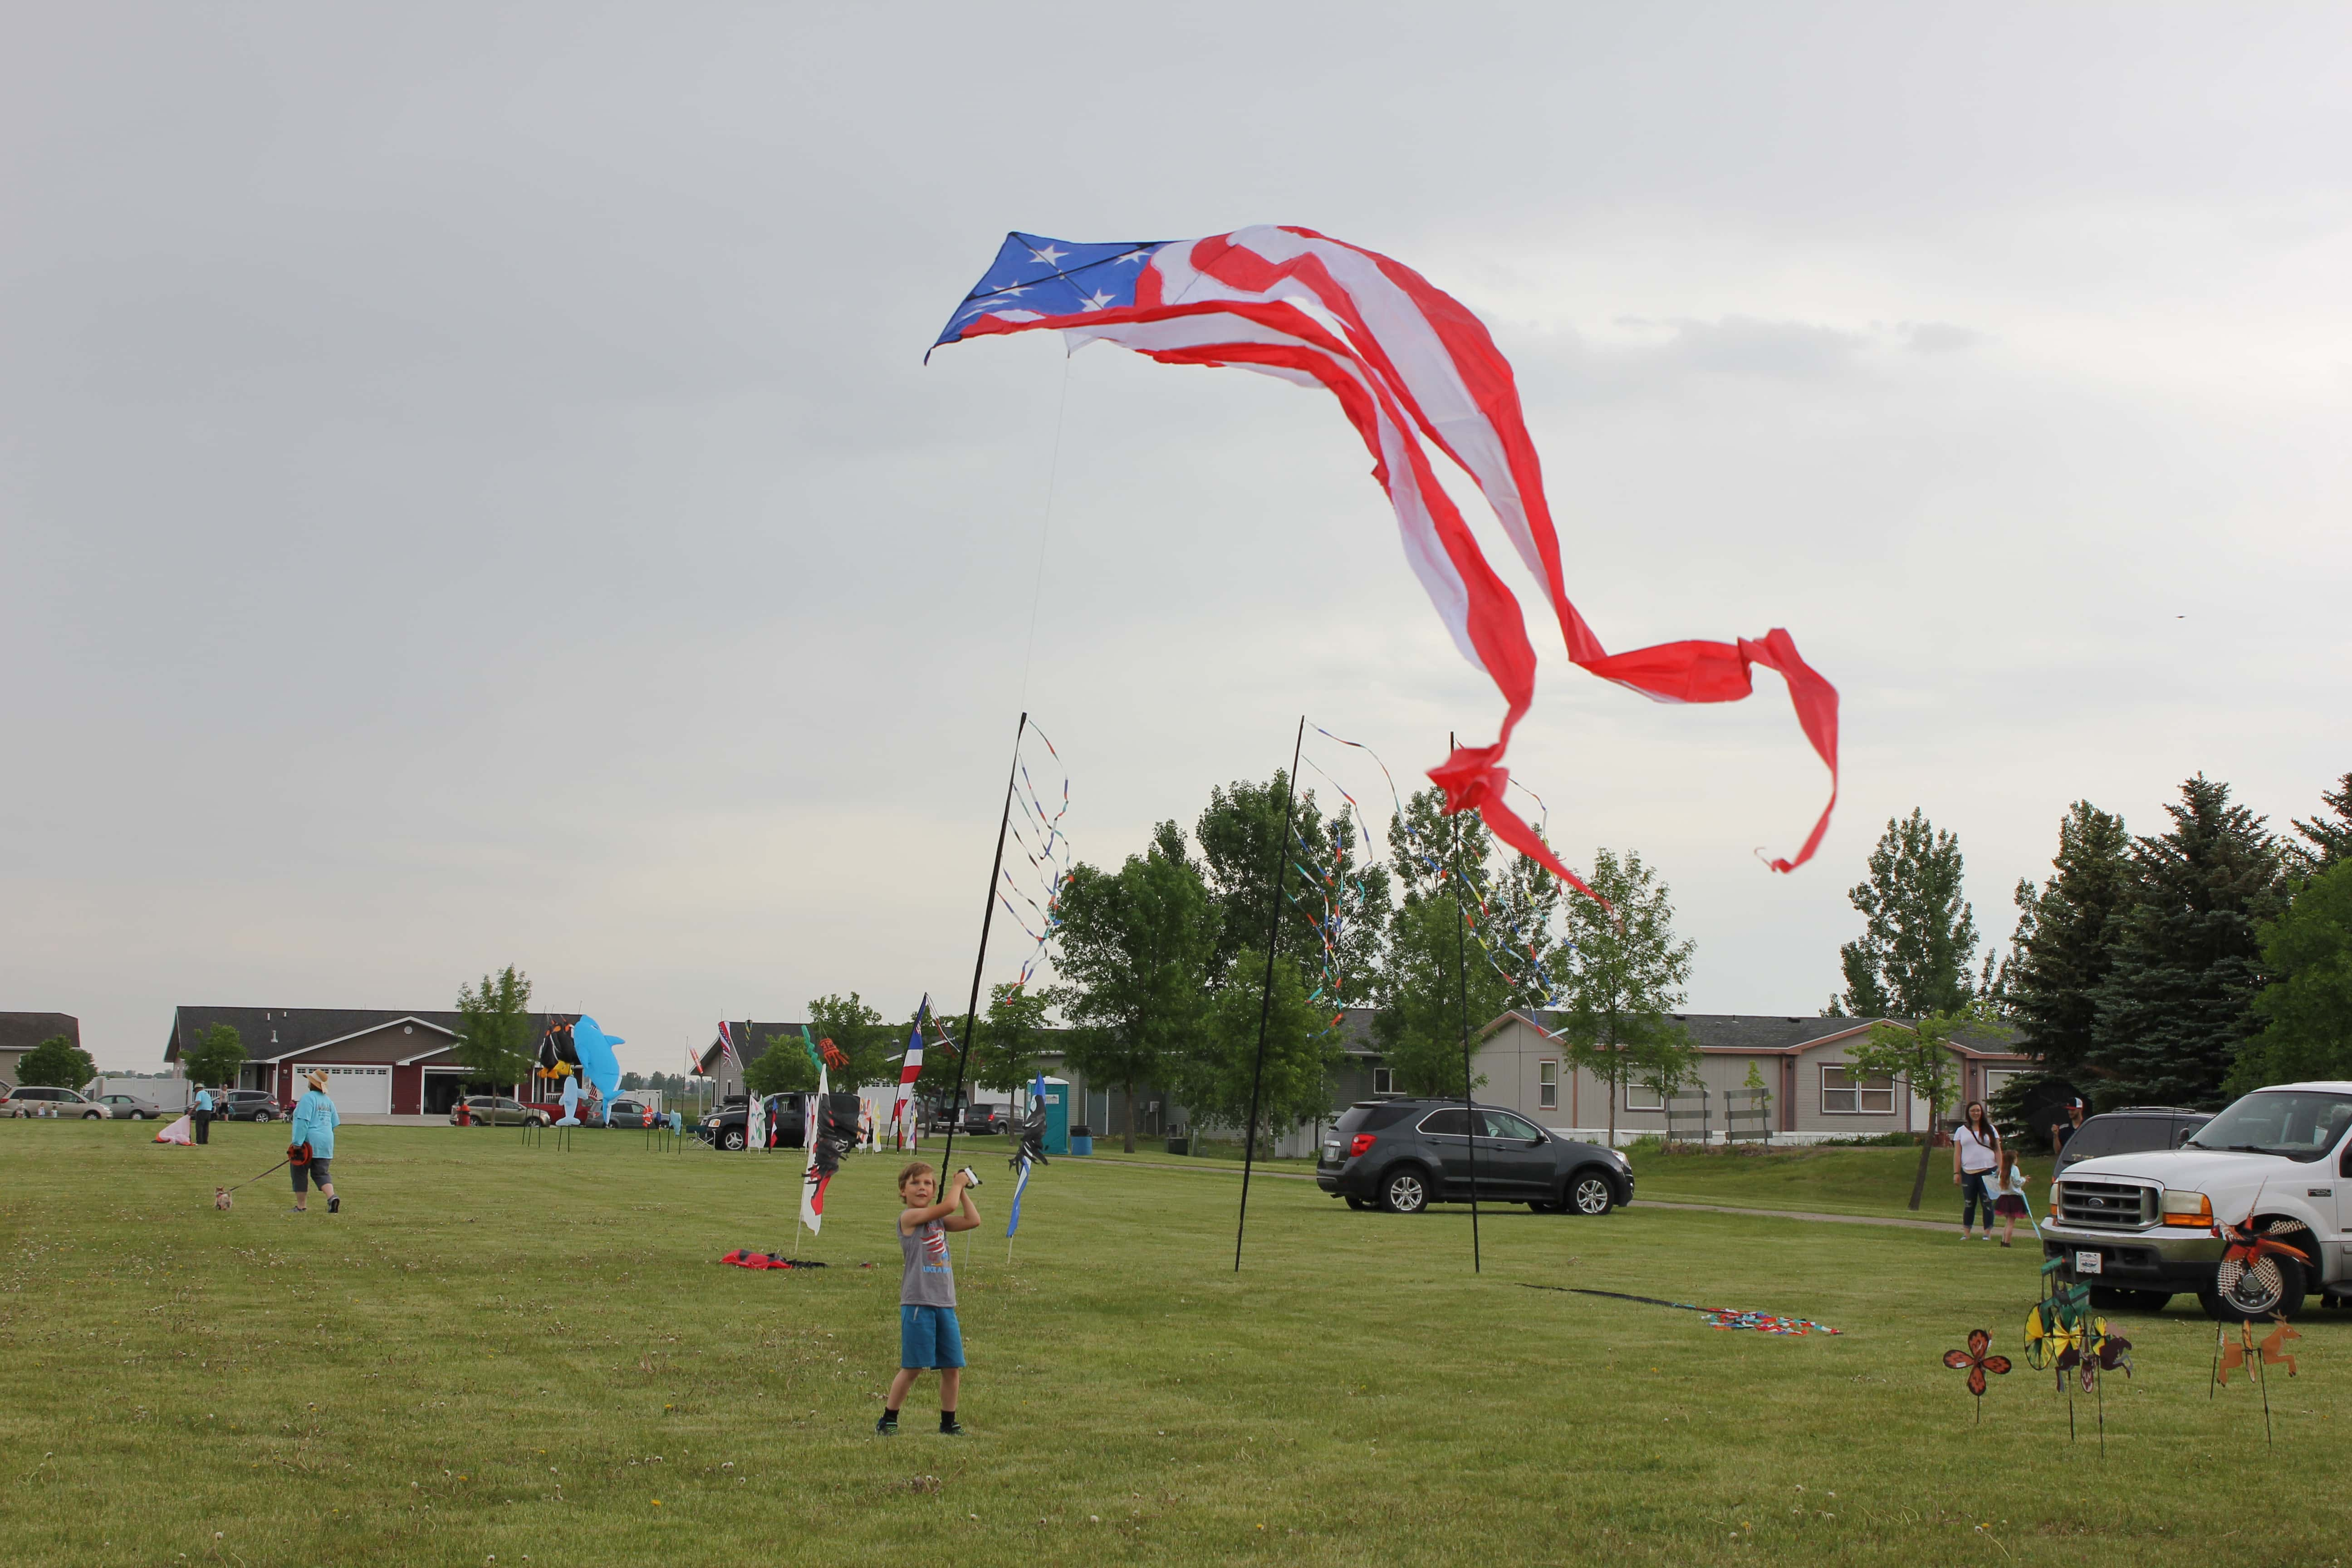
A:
(1876, 1182)
(510, 1353)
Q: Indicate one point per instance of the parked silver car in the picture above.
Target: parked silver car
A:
(130, 1108)
(36, 1099)
(496, 1111)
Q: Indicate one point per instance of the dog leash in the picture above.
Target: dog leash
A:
(271, 1171)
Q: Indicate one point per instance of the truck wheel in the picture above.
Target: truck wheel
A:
(731, 1139)
(2113, 1299)
(2238, 1294)
(1406, 1191)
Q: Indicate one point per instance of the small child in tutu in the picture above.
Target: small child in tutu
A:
(2009, 1199)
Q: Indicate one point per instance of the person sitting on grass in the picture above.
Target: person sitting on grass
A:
(314, 1129)
(928, 1336)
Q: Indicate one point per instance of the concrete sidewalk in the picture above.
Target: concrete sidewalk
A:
(1221, 1170)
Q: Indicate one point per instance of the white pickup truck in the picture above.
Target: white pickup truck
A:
(2141, 1229)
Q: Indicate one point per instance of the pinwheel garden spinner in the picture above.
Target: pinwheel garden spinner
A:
(1978, 1363)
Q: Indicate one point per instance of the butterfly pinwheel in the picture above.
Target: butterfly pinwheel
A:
(2102, 1351)
(1978, 1363)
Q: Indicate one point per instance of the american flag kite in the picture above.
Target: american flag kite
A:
(1413, 369)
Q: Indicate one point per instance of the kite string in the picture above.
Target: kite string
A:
(1045, 528)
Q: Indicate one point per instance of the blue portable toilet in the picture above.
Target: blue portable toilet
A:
(1056, 1100)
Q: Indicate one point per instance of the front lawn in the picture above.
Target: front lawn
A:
(530, 1356)
(1816, 1179)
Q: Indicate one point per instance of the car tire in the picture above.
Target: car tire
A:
(93, 1116)
(733, 1139)
(1405, 1190)
(138, 1116)
(2115, 1298)
(1588, 1193)
(1536, 1205)
(2251, 1297)
(1360, 1204)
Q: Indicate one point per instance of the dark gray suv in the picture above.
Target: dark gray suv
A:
(1402, 1155)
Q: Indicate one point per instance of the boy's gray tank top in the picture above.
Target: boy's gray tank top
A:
(929, 1281)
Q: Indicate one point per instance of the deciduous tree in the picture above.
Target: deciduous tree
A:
(1215, 1076)
(1136, 946)
(1919, 936)
(217, 1057)
(58, 1063)
(495, 1038)
(1625, 977)
(1918, 1059)
(2306, 1011)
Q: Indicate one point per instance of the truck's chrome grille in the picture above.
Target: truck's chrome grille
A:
(2106, 1206)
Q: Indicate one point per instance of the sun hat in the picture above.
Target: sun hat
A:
(317, 1080)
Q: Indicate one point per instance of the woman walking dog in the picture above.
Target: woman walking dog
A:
(313, 1135)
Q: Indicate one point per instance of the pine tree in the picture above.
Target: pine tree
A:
(2176, 1003)
(1919, 935)
(2331, 841)
(2066, 935)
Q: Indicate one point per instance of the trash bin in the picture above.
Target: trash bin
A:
(1082, 1140)
(1178, 1144)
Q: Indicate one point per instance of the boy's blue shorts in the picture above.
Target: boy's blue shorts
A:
(929, 1337)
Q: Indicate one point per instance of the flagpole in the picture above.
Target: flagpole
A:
(979, 964)
(1265, 996)
(1461, 967)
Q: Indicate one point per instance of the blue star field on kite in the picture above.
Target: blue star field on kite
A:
(1052, 278)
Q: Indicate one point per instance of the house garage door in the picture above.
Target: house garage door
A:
(362, 1091)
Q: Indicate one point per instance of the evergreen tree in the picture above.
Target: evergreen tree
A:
(1628, 975)
(2330, 840)
(1919, 935)
(2306, 1011)
(2177, 1004)
(2066, 934)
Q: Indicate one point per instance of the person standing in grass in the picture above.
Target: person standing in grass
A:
(2009, 1200)
(314, 1127)
(203, 1114)
(928, 1336)
(1976, 1154)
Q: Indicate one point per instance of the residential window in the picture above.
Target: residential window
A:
(1547, 1086)
(1643, 1097)
(1383, 1081)
(1997, 1078)
(1842, 1095)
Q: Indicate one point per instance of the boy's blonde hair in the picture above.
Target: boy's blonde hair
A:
(914, 1168)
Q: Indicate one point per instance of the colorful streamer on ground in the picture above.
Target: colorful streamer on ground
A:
(1717, 1316)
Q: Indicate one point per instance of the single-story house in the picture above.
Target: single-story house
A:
(21, 1032)
(377, 1060)
(751, 1038)
(1802, 1063)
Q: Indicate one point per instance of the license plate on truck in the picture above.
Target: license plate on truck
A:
(2086, 1263)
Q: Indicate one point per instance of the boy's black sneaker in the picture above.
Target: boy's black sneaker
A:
(949, 1425)
(888, 1426)
(334, 1205)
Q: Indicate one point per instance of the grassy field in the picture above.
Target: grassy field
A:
(533, 1357)
(1875, 1182)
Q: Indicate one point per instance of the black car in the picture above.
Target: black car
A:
(2133, 1130)
(980, 1120)
(246, 1105)
(1402, 1155)
(787, 1117)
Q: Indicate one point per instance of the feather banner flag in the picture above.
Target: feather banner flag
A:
(819, 1175)
(911, 1067)
(1031, 1151)
(1414, 371)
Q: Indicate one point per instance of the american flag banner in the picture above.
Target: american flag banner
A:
(1413, 369)
(911, 1067)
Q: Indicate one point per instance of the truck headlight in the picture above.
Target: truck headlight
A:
(2191, 1210)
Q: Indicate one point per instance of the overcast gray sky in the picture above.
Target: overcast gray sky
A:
(470, 493)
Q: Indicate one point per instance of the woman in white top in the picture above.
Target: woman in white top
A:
(1976, 1154)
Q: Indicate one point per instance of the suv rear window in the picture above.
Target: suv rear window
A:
(1367, 1119)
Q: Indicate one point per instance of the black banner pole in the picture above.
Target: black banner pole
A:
(988, 914)
(1266, 998)
(1461, 967)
